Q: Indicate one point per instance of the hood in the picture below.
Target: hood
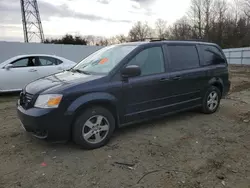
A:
(58, 80)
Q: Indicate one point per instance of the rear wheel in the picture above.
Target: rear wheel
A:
(93, 128)
(211, 100)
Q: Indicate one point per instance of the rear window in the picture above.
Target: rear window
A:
(212, 55)
(183, 57)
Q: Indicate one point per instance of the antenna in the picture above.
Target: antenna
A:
(32, 25)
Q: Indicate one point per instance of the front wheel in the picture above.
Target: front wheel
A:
(93, 128)
(211, 100)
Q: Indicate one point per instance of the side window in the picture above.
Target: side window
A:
(47, 61)
(58, 61)
(25, 62)
(212, 55)
(150, 61)
(183, 57)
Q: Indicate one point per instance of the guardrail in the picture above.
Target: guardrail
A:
(238, 56)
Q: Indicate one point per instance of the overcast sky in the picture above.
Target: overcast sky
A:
(89, 17)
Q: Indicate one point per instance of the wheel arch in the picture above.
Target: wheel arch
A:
(84, 102)
(217, 82)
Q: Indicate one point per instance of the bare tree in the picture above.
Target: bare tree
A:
(91, 39)
(112, 40)
(181, 30)
(161, 29)
(221, 7)
(224, 22)
(207, 9)
(103, 42)
(220, 11)
(246, 9)
(140, 31)
(121, 38)
(197, 17)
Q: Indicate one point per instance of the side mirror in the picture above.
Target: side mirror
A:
(8, 67)
(130, 71)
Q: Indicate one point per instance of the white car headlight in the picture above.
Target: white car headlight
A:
(48, 101)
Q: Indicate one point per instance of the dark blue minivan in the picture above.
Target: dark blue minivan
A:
(121, 85)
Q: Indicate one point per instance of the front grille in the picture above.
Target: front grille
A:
(26, 99)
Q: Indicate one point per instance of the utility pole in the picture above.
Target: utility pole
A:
(32, 25)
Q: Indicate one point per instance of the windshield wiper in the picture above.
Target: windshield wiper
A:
(80, 71)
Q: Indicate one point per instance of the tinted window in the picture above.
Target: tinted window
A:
(183, 57)
(46, 61)
(25, 62)
(212, 55)
(150, 61)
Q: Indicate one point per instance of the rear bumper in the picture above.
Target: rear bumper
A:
(49, 124)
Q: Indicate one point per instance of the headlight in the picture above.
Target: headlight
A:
(48, 101)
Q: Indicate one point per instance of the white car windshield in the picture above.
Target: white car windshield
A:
(104, 60)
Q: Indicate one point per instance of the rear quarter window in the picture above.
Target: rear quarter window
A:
(58, 61)
(183, 57)
(212, 55)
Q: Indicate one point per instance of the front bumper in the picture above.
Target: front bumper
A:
(49, 124)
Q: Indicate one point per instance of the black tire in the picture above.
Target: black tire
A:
(79, 125)
(205, 107)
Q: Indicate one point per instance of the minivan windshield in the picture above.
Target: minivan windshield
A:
(103, 60)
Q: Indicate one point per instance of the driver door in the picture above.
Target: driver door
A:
(20, 74)
(146, 95)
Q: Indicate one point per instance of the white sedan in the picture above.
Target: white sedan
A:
(18, 71)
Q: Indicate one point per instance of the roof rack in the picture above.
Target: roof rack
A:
(160, 39)
(196, 40)
(151, 39)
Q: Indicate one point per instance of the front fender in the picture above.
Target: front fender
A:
(88, 98)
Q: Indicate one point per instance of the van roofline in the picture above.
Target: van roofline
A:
(138, 43)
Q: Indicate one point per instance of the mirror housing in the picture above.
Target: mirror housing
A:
(130, 71)
(8, 67)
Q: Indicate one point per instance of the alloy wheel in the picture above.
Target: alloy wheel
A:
(95, 129)
(212, 100)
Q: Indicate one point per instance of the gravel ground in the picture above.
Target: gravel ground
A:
(189, 149)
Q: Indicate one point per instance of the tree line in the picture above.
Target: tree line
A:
(224, 22)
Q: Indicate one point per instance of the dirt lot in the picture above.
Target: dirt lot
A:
(190, 150)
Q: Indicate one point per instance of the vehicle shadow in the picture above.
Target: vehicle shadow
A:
(70, 146)
(156, 122)
(137, 127)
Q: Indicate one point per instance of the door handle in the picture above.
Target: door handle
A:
(164, 79)
(32, 70)
(176, 78)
